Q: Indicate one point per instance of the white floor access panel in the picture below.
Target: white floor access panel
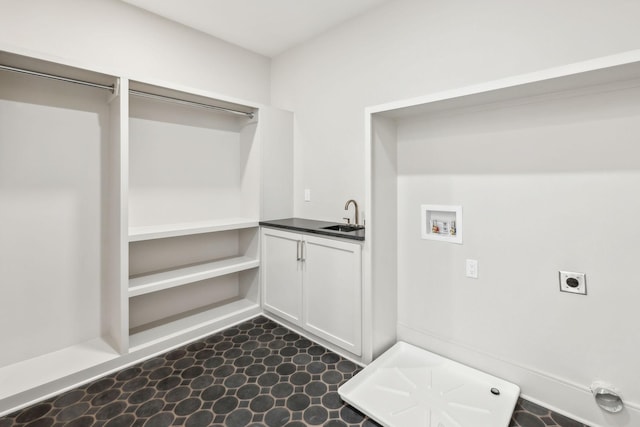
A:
(408, 386)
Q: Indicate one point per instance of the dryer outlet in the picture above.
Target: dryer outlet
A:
(572, 282)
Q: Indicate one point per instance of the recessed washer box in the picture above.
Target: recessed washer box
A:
(409, 386)
(441, 222)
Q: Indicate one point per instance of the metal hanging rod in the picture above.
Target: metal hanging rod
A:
(110, 88)
(189, 103)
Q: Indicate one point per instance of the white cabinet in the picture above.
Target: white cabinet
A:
(314, 283)
(332, 290)
(282, 274)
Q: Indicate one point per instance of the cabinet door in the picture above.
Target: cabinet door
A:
(282, 274)
(333, 291)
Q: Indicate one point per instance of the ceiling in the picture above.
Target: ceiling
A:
(267, 27)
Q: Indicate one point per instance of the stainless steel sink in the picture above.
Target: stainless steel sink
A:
(346, 228)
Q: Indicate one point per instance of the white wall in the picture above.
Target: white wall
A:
(545, 186)
(121, 39)
(415, 47)
(513, 321)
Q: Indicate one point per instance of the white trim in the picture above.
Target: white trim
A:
(571, 70)
(367, 281)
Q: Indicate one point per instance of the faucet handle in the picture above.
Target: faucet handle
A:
(348, 219)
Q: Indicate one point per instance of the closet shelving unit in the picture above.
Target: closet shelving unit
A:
(193, 213)
(197, 290)
(60, 244)
(153, 282)
(133, 221)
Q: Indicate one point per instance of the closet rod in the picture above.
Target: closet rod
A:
(190, 103)
(110, 88)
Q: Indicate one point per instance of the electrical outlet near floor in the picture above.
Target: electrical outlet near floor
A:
(572, 282)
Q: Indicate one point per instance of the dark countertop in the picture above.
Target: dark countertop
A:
(314, 227)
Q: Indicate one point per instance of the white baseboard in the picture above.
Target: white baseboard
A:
(557, 394)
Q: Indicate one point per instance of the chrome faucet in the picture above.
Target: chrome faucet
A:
(355, 205)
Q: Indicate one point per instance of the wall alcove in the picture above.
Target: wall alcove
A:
(543, 165)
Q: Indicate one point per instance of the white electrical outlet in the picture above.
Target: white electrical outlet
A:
(572, 282)
(307, 195)
(472, 268)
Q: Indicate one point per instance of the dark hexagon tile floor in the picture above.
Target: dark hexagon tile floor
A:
(256, 374)
(528, 414)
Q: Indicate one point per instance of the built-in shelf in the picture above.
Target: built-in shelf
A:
(222, 313)
(151, 232)
(622, 67)
(182, 276)
(27, 374)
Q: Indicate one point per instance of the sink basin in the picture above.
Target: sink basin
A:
(344, 227)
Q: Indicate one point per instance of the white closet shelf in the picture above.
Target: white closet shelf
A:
(622, 67)
(183, 276)
(150, 232)
(220, 314)
(30, 373)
